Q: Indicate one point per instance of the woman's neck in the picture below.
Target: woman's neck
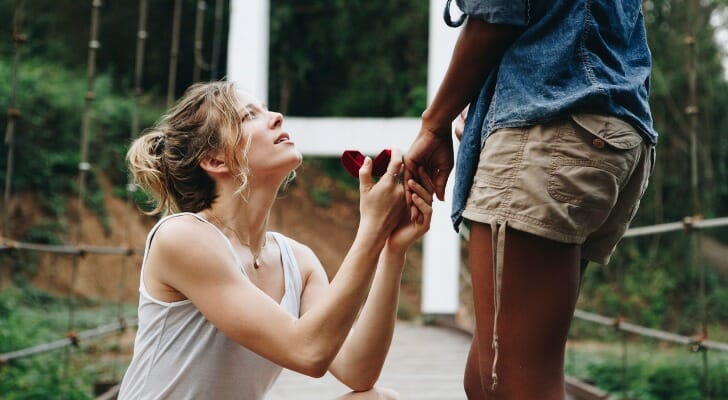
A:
(246, 215)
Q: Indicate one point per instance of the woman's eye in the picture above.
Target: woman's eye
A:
(249, 116)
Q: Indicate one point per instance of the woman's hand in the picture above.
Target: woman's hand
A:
(381, 205)
(408, 231)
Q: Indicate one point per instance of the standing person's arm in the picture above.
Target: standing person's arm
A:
(478, 49)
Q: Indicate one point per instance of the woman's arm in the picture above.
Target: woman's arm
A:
(359, 363)
(188, 256)
(362, 356)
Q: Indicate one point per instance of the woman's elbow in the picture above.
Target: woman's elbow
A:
(315, 370)
(315, 365)
(361, 386)
(361, 382)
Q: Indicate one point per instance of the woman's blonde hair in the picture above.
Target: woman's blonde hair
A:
(165, 160)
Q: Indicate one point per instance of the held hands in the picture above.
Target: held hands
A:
(408, 230)
(431, 150)
(382, 203)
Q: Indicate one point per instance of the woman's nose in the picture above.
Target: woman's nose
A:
(276, 121)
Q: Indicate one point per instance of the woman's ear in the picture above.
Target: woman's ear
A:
(214, 164)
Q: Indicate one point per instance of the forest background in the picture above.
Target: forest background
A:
(348, 58)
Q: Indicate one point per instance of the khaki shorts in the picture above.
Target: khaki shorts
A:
(576, 180)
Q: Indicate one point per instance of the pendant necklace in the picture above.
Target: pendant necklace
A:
(256, 257)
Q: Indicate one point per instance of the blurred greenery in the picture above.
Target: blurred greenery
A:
(29, 317)
(649, 371)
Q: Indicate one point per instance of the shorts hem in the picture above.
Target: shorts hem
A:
(524, 226)
(596, 258)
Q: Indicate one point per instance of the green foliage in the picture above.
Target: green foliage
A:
(47, 139)
(29, 317)
(321, 197)
(650, 373)
(59, 31)
(349, 58)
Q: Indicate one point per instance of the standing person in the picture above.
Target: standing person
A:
(554, 158)
(224, 304)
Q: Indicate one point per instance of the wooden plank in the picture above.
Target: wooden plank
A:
(424, 363)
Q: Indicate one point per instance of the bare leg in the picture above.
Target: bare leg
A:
(373, 394)
(539, 291)
(472, 382)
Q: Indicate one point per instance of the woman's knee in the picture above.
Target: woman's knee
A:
(372, 394)
(387, 394)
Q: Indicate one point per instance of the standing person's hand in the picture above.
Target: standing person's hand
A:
(432, 149)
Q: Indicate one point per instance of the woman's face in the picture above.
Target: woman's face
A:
(272, 150)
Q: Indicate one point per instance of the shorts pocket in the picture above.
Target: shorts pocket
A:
(591, 161)
(500, 157)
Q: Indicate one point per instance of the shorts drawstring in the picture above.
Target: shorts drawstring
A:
(498, 234)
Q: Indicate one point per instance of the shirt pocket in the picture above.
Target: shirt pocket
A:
(591, 161)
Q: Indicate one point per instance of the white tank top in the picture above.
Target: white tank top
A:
(178, 354)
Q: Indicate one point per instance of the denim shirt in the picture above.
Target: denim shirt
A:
(569, 56)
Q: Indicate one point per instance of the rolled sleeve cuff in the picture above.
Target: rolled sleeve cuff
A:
(510, 12)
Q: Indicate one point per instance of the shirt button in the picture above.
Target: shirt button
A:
(598, 143)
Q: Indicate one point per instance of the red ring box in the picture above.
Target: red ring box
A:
(352, 161)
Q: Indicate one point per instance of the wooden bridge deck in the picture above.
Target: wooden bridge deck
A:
(424, 363)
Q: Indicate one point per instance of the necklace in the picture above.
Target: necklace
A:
(256, 257)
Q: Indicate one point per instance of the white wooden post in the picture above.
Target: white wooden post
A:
(248, 40)
(441, 248)
(248, 64)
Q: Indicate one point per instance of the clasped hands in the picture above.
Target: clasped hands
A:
(406, 230)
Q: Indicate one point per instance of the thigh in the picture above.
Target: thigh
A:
(540, 285)
(472, 380)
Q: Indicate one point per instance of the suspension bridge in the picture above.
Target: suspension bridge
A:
(426, 362)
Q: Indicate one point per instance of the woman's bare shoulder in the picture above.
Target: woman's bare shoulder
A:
(186, 240)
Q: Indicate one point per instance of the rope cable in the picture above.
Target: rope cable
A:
(200, 63)
(692, 111)
(83, 168)
(93, 333)
(13, 114)
(174, 52)
(216, 39)
(622, 335)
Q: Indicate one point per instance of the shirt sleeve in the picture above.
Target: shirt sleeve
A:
(510, 12)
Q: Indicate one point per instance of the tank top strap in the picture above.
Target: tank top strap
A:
(294, 282)
(168, 217)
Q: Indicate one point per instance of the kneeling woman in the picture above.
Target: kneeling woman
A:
(225, 304)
